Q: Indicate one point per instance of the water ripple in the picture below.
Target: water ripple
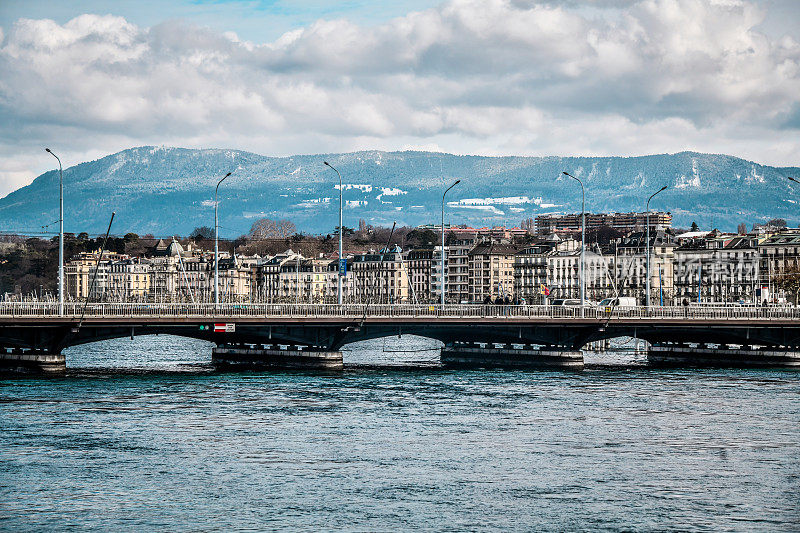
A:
(145, 435)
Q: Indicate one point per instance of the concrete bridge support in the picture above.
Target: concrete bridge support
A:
(722, 356)
(459, 355)
(31, 361)
(244, 356)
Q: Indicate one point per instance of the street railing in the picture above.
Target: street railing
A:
(357, 311)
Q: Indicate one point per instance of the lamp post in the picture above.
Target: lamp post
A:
(60, 234)
(339, 277)
(647, 242)
(583, 240)
(216, 242)
(443, 273)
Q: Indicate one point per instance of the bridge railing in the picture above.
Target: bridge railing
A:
(74, 310)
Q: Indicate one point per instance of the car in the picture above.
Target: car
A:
(569, 302)
(619, 301)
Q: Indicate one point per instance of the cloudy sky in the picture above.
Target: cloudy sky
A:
(526, 77)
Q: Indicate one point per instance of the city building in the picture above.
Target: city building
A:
(88, 274)
(563, 275)
(463, 232)
(419, 265)
(380, 277)
(717, 269)
(272, 277)
(235, 278)
(332, 282)
(456, 264)
(706, 267)
(129, 279)
(623, 222)
(630, 260)
(779, 254)
(531, 281)
(491, 272)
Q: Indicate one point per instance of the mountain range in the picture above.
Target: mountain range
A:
(165, 191)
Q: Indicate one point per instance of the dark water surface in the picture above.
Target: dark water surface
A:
(143, 435)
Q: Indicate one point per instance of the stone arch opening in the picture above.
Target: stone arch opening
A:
(166, 352)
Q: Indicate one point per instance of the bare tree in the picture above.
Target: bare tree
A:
(266, 228)
(741, 229)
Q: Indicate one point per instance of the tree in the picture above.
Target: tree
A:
(777, 222)
(345, 231)
(266, 228)
(422, 237)
(695, 227)
(789, 280)
(603, 234)
(741, 229)
(201, 233)
(239, 241)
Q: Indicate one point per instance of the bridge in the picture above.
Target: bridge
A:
(33, 335)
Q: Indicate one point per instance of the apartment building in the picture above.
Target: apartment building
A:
(380, 277)
(530, 267)
(129, 279)
(718, 268)
(624, 222)
(456, 264)
(777, 254)
(419, 265)
(491, 272)
(88, 274)
(711, 268)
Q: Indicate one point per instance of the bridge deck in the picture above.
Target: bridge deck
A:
(39, 326)
(119, 313)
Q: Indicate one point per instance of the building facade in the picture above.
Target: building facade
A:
(710, 268)
(624, 222)
(491, 272)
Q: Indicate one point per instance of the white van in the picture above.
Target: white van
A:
(566, 302)
(620, 301)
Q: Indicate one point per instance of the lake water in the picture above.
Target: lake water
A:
(144, 435)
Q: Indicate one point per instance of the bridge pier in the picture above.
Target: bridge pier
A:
(273, 356)
(723, 356)
(476, 356)
(31, 361)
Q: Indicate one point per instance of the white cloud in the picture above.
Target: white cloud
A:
(471, 76)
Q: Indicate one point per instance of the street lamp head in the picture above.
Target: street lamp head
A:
(573, 177)
(457, 182)
(228, 174)
(326, 163)
(662, 188)
(792, 179)
(48, 150)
